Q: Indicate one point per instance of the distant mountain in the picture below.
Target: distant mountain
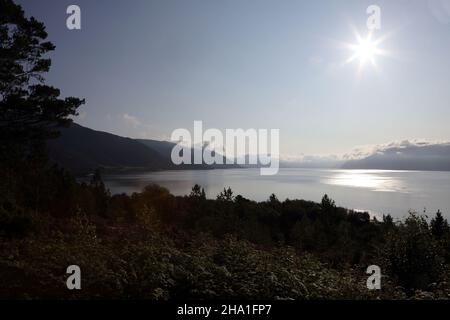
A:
(406, 156)
(163, 148)
(82, 150)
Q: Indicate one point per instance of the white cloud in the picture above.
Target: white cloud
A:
(309, 158)
(366, 151)
(128, 125)
(131, 120)
(82, 115)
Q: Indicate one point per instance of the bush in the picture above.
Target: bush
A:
(13, 221)
(412, 254)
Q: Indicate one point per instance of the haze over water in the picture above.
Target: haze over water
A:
(377, 191)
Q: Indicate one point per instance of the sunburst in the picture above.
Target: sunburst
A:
(365, 50)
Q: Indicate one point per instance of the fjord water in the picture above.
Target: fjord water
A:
(376, 191)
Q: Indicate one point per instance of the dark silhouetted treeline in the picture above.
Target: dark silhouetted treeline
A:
(158, 246)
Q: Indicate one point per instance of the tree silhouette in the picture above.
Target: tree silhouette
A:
(30, 111)
(327, 203)
(198, 192)
(273, 199)
(226, 195)
(439, 225)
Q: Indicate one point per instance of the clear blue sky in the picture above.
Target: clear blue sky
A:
(148, 67)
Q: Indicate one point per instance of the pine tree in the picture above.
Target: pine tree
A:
(30, 110)
(439, 225)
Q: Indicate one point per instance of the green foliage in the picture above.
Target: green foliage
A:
(152, 245)
(154, 267)
(412, 254)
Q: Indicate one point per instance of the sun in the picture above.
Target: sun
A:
(365, 50)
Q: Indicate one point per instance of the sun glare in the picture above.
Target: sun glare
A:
(365, 50)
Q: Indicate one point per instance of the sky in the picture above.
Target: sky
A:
(148, 67)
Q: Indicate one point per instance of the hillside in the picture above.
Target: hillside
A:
(163, 148)
(81, 149)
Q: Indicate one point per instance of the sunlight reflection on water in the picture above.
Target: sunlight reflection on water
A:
(371, 179)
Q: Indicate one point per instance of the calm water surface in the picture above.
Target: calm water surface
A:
(377, 191)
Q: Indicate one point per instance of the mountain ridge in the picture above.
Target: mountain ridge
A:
(81, 150)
